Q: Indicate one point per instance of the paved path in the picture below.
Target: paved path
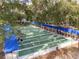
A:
(11, 56)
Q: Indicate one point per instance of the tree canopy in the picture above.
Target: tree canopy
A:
(14, 10)
(53, 11)
(46, 11)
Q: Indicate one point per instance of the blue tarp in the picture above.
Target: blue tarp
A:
(63, 29)
(69, 30)
(55, 27)
(11, 44)
(38, 23)
(7, 28)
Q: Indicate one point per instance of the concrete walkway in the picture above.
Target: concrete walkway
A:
(11, 56)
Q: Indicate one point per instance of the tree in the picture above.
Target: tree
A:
(14, 10)
(56, 11)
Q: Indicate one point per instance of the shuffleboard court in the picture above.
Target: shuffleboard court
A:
(37, 39)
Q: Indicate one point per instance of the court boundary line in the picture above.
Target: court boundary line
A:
(37, 45)
(43, 52)
(42, 40)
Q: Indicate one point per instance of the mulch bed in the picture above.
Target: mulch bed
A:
(66, 53)
(1, 52)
